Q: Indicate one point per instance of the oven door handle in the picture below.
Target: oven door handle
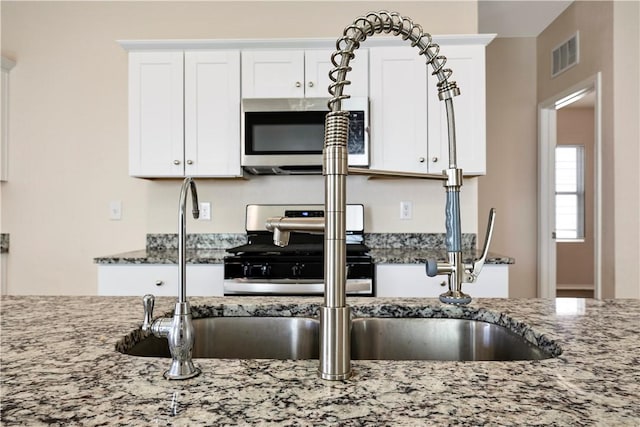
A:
(289, 286)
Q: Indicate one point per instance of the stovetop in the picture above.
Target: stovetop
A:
(260, 241)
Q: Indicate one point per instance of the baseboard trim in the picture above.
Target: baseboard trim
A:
(574, 287)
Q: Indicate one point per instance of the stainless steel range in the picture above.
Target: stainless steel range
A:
(262, 268)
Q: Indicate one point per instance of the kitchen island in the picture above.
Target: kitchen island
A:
(59, 367)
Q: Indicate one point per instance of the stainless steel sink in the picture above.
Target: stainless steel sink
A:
(438, 339)
(371, 338)
(244, 338)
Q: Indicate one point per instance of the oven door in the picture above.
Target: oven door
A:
(291, 287)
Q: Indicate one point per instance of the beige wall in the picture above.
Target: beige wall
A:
(594, 20)
(609, 40)
(68, 140)
(574, 260)
(511, 181)
(626, 57)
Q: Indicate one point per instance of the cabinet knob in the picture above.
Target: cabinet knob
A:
(310, 84)
(159, 282)
(434, 159)
(421, 159)
(444, 283)
(176, 162)
(189, 162)
(298, 84)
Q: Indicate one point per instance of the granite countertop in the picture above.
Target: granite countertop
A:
(164, 256)
(59, 367)
(216, 256)
(386, 248)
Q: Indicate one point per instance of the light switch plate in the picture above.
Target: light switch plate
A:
(205, 211)
(115, 210)
(406, 210)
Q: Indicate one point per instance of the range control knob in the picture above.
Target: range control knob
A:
(297, 269)
(265, 270)
(246, 269)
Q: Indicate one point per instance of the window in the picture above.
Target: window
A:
(570, 192)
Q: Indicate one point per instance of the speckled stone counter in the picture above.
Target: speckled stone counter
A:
(386, 248)
(59, 367)
(168, 256)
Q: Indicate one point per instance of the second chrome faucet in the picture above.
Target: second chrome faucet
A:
(178, 329)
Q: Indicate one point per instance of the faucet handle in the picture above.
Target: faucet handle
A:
(472, 271)
(147, 302)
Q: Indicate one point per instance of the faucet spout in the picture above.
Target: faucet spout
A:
(187, 184)
(178, 330)
(282, 228)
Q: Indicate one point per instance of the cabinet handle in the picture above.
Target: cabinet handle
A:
(298, 84)
(176, 162)
(434, 159)
(159, 282)
(444, 283)
(310, 84)
(421, 159)
(189, 162)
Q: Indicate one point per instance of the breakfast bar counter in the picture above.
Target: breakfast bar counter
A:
(59, 366)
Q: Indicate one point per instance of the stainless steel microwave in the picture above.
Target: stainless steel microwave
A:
(286, 136)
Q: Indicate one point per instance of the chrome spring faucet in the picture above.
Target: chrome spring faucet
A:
(335, 322)
(178, 329)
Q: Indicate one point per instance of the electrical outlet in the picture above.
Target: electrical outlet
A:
(406, 210)
(205, 211)
(115, 210)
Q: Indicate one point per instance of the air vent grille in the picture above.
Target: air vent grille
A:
(565, 56)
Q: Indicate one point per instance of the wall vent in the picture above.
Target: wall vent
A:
(565, 55)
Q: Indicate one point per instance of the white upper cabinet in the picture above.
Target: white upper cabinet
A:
(185, 98)
(317, 67)
(273, 74)
(290, 73)
(184, 113)
(468, 66)
(398, 110)
(408, 121)
(156, 128)
(212, 113)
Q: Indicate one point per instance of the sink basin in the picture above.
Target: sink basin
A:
(438, 339)
(244, 338)
(371, 338)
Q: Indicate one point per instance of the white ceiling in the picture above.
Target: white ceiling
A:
(518, 18)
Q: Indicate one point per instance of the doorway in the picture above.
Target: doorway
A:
(569, 202)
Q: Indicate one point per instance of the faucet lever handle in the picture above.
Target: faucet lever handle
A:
(474, 270)
(147, 302)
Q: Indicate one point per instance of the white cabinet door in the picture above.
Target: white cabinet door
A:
(410, 280)
(468, 66)
(156, 131)
(493, 282)
(212, 113)
(159, 279)
(317, 67)
(398, 110)
(184, 114)
(297, 74)
(273, 74)
(408, 121)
